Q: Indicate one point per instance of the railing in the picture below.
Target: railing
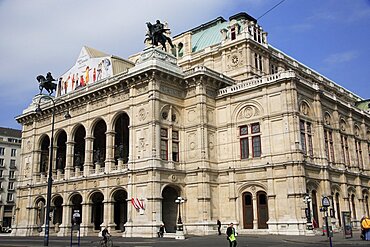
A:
(251, 83)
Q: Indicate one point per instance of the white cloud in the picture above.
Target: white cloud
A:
(342, 57)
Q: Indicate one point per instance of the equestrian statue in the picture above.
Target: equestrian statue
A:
(155, 34)
(46, 83)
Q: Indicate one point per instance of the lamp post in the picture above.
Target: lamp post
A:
(50, 173)
(307, 200)
(180, 230)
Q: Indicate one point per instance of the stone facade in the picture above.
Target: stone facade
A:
(10, 149)
(240, 130)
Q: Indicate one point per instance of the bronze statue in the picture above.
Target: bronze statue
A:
(156, 34)
(46, 83)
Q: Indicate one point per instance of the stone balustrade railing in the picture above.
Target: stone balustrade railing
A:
(251, 83)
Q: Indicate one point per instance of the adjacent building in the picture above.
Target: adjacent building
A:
(10, 149)
(242, 131)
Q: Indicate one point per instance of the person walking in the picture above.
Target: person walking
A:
(219, 227)
(231, 233)
(161, 231)
(105, 235)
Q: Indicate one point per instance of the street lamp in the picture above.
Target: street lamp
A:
(50, 180)
(179, 230)
(178, 201)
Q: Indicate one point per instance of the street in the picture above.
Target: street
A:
(200, 241)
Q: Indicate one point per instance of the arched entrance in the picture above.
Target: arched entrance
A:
(61, 151)
(44, 156)
(58, 210)
(169, 208)
(120, 209)
(97, 209)
(314, 206)
(40, 212)
(99, 143)
(262, 210)
(76, 201)
(337, 207)
(121, 140)
(247, 210)
(79, 148)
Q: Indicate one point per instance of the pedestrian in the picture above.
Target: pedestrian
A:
(231, 233)
(161, 231)
(219, 227)
(105, 234)
(365, 228)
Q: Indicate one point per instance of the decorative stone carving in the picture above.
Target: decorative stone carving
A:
(304, 108)
(342, 125)
(142, 114)
(29, 145)
(327, 119)
(248, 112)
(357, 131)
(235, 59)
(165, 115)
(191, 115)
(120, 97)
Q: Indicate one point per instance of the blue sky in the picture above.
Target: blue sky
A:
(329, 36)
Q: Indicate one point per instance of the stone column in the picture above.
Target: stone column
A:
(109, 158)
(69, 159)
(66, 220)
(88, 163)
(36, 159)
(85, 221)
(109, 216)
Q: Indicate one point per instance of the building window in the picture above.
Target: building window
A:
(329, 145)
(345, 149)
(13, 152)
(10, 197)
(233, 33)
(11, 186)
(353, 207)
(306, 137)
(258, 61)
(164, 144)
(250, 133)
(2, 151)
(358, 152)
(1, 173)
(256, 139)
(12, 163)
(1, 162)
(175, 146)
(1, 185)
(273, 69)
(11, 175)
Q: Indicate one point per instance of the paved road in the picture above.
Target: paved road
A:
(194, 241)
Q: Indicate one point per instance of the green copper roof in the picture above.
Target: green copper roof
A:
(208, 36)
(363, 105)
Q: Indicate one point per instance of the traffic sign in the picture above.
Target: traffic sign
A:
(325, 202)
